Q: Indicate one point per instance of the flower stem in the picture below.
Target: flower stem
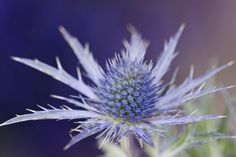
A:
(134, 148)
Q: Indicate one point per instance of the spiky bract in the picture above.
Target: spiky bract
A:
(127, 97)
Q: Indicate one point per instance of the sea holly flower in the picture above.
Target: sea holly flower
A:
(128, 96)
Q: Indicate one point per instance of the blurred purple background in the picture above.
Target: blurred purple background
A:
(30, 29)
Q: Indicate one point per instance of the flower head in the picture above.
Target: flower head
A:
(128, 96)
(127, 91)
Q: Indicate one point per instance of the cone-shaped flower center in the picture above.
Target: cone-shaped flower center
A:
(128, 91)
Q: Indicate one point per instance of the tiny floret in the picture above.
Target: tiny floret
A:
(128, 91)
(127, 96)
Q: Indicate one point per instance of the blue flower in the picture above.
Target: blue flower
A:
(128, 96)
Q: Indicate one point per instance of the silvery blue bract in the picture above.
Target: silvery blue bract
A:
(127, 97)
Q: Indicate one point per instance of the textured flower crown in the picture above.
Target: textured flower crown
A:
(127, 97)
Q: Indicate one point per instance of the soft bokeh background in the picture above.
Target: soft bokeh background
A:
(30, 29)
